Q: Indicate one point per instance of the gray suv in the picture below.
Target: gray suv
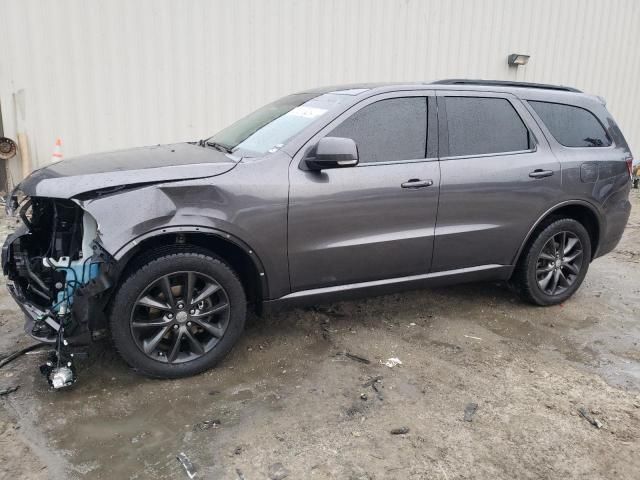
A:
(318, 196)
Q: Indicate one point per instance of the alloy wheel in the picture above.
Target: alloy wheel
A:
(559, 263)
(180, 317)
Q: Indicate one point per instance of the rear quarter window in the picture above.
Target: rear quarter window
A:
(572, 126)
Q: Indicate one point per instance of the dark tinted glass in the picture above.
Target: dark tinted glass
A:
(484, 125)
(572, 126)
(388, 130)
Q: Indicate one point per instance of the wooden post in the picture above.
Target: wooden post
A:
(25, 157)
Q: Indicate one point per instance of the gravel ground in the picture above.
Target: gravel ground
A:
(288, 402)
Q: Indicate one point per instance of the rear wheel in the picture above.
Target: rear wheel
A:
(178, 315)
(555, 263)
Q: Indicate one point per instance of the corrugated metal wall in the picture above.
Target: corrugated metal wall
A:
(118, 73)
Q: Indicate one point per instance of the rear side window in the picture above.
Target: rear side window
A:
(388, 130)
(482, 125)
(572, 126)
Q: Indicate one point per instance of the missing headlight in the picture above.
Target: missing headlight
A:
(48, 263)
(55, 258)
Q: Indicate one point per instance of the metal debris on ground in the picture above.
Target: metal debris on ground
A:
(377, 390)
(356, 358)
(9, 390)
(474, 338)
(372, 381)
(470, 411)
(363, 396)
(392, 362)
(9, 358)
(400, 431)
(330, 311)
(592, 420)
(326, 331)
(186, 463)
(206, 425)
(278, 472)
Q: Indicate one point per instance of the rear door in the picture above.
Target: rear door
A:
(498, 176)
(376, 220)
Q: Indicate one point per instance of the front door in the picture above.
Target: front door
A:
(375, 220)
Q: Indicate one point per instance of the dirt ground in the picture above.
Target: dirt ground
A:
(287, 402)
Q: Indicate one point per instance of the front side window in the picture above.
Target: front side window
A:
(484, 125)
(572, 126)
(274, 124)
(388, 130)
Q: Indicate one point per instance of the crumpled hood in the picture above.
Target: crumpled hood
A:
(180, 161)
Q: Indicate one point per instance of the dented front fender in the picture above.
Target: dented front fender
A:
(247, 205)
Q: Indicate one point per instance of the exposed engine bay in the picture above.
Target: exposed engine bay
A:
(54, 266)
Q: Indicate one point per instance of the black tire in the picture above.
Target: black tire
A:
(531, 271)
(128, 301)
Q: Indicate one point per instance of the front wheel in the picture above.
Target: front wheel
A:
(178, 315)
(555, 263)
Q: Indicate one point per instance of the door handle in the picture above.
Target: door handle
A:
(417, 183)
(539, 173)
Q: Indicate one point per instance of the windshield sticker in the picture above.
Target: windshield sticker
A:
(307, 112)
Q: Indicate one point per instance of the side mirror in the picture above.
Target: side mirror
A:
(332, 152)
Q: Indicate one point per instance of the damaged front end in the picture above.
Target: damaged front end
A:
(58, 274)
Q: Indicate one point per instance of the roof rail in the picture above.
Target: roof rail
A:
(504, 83)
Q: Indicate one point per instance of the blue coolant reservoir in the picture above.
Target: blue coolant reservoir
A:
(78, 273)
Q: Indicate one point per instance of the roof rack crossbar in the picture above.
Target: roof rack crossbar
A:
(504, 83)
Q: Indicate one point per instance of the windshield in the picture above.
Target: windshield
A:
(271, 126)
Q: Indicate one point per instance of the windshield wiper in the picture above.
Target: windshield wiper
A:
(219, 146)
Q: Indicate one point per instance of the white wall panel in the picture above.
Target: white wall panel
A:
(112, 74)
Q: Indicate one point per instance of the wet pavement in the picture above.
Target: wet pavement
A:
(287, 401)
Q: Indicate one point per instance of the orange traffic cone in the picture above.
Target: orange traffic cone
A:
(56, 156)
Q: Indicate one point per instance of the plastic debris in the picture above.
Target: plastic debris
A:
(188, 466)
(474, 338)
(470, 411)
(392, 362)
